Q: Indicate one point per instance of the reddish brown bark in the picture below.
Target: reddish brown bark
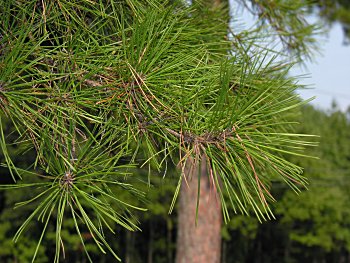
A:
(199, 243)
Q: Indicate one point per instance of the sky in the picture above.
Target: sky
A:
(329, 74)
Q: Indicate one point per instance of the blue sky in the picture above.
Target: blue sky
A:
(329, 74)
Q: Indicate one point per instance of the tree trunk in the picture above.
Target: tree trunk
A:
(169, 240)
(150, 243)
(223, 253)
(129, 246)
(201, 242)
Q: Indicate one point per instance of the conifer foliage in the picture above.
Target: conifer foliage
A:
(101, 88)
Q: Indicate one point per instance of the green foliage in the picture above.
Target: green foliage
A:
(96, 91)
(286, 19)
(320, 216)
(336, 11)
(313, 225)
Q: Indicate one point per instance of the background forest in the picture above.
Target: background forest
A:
(313, 226)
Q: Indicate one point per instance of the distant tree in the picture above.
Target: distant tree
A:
(314, 225)
(319, 219)
(336, 11)
(99, 90)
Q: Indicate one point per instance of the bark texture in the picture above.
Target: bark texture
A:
(199, 243)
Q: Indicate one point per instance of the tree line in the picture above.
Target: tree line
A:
(312, 226)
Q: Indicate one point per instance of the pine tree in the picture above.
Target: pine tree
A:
(335, 11)
(101, 89)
